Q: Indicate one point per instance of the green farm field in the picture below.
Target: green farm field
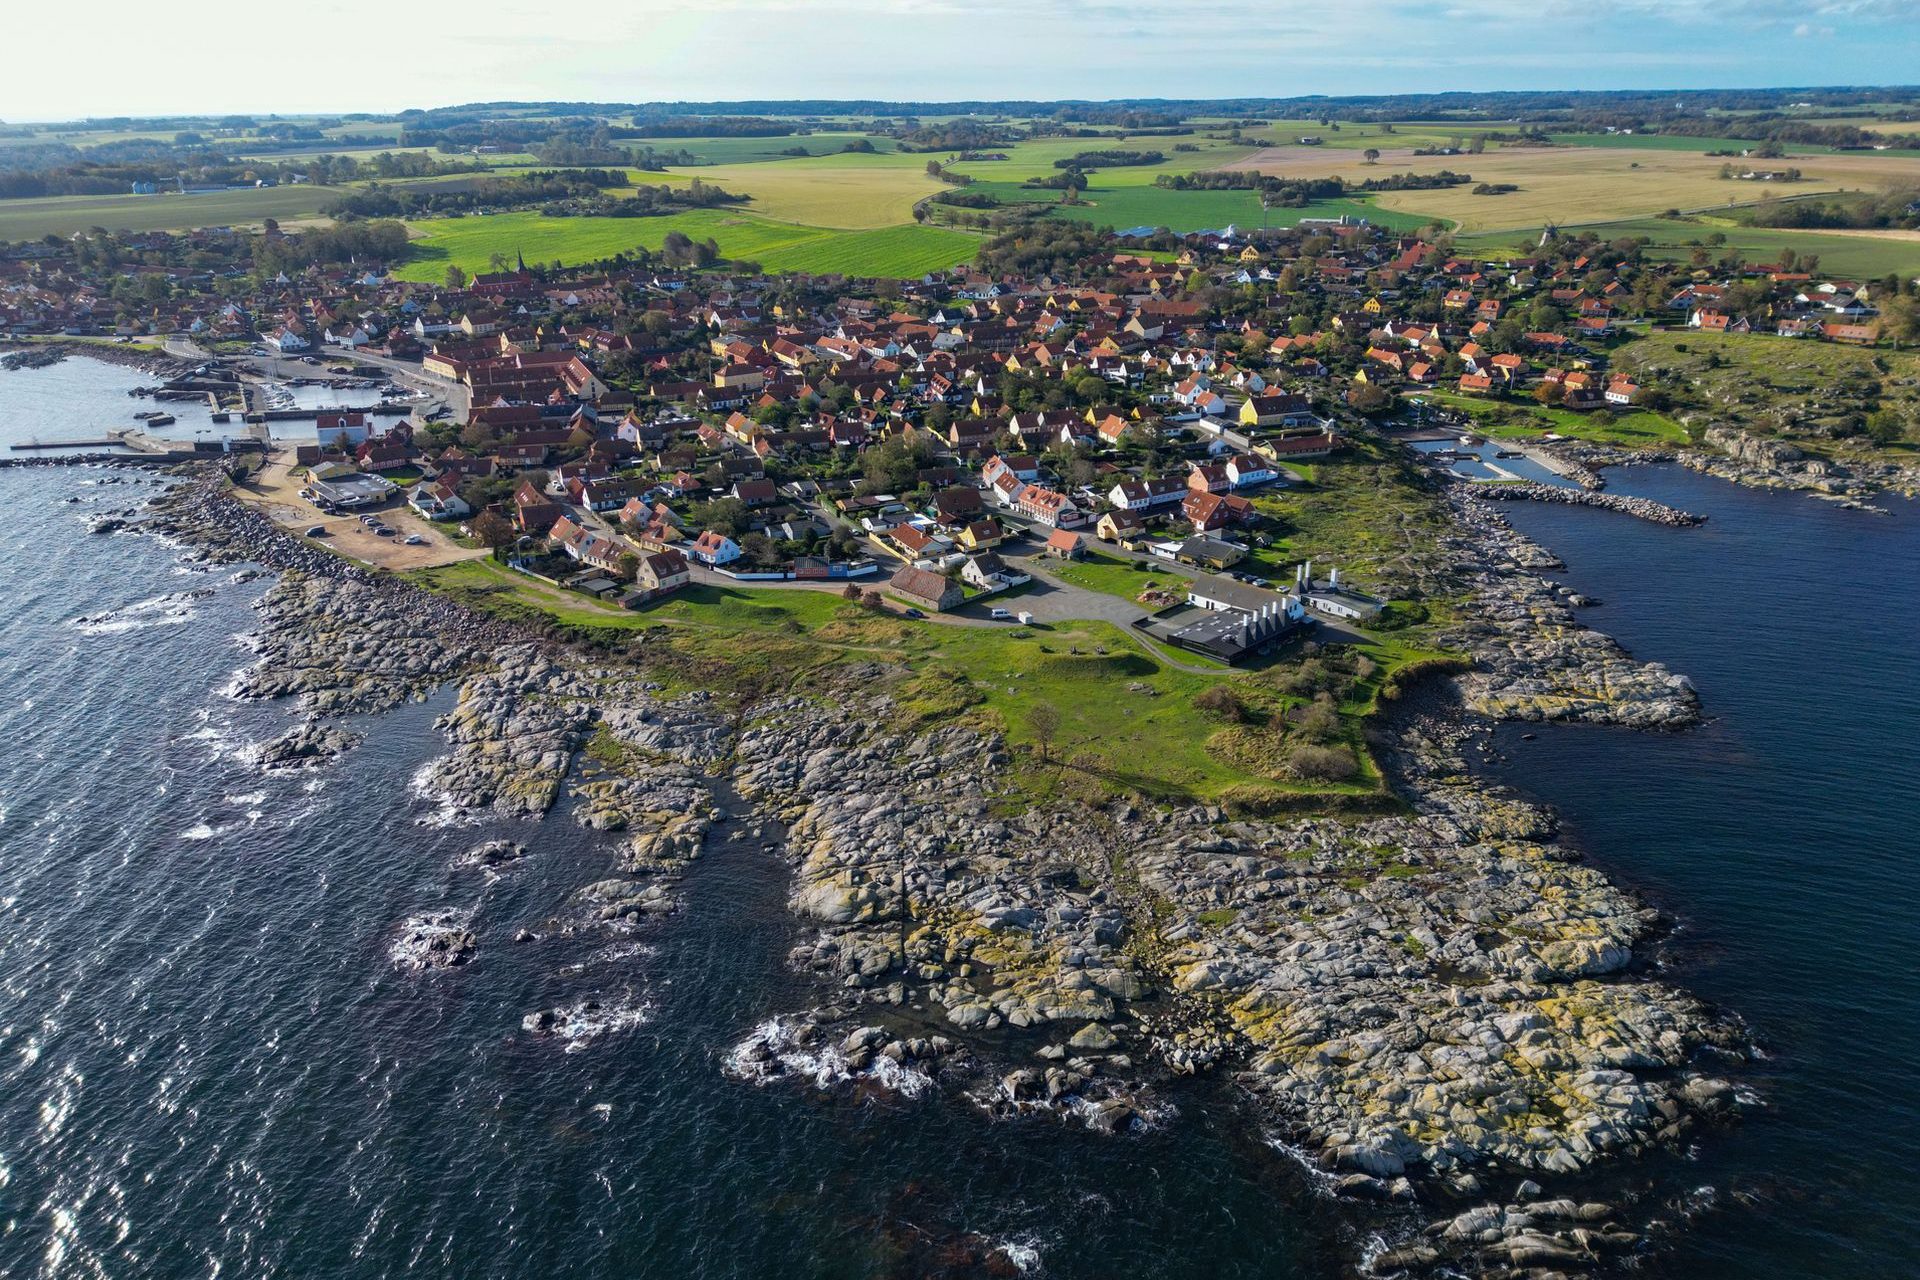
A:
(1857, 253)
(888, 251)
(63, 215)
(1184, 211)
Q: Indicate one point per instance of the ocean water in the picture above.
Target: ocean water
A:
(210, 1063)
(83, 399)
(1783, 836)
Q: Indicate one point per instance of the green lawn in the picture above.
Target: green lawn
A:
(777, 246)
(1127, 722)
(1115, 576)
(1522, 419)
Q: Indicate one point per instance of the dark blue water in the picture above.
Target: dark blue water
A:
(210, 1065)
(1784, 834)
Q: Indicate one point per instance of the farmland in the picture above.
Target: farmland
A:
(838, 210)
(64, 215)
(1859, 253)
(1122, 207)
(1579, 184)
(469, 242)
(849, 191)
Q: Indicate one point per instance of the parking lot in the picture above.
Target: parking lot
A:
(276, 491)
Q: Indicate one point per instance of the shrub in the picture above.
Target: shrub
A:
(1222, 701)
(1321, 764)
(1319, 720)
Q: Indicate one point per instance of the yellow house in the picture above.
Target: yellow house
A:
(982, 535)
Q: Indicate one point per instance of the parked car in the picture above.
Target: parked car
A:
(1001, 615)
(912, 613)
(415, 540)
(318, 531)
(383, 531)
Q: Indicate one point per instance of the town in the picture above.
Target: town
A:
(1103, 442)
(981, 688)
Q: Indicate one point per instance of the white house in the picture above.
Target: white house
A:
(714, 548)
(1243, 471)
(437, 501)
(1139, 495)
(284, 340)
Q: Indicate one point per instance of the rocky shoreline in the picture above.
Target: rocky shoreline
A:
(1639, 508)
(1431, 1005)
(1757, 462)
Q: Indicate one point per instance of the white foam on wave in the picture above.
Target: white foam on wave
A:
(579, 1024)
(208, 831)
(772, 1051)
(614, 954)
(161, 611)
(1022, 1251)
(1322, 1180)
(223, 741)
(415, 943)
(445, 813)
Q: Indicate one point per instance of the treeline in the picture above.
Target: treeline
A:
(590, 135)
(1042, 247)
(1896, 210)
(957, 135)
(1280, 192)
(91, 177)
(370, 242)
(645, 202)
(1416, 181)
(1112, 158)
(707, 127)
(518, 191)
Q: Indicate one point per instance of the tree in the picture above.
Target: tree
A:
(497, 261)
(1371, 155)
(1369, 399)
(455, 277)
(1043, 720)
(1900, 317)
(491, 529)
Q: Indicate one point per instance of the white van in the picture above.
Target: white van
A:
(1001, 615)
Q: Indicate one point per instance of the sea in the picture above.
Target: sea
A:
(212, 1064)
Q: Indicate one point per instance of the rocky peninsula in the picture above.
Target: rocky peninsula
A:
(1432, 1006)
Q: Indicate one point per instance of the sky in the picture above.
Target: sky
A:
(122, 57)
